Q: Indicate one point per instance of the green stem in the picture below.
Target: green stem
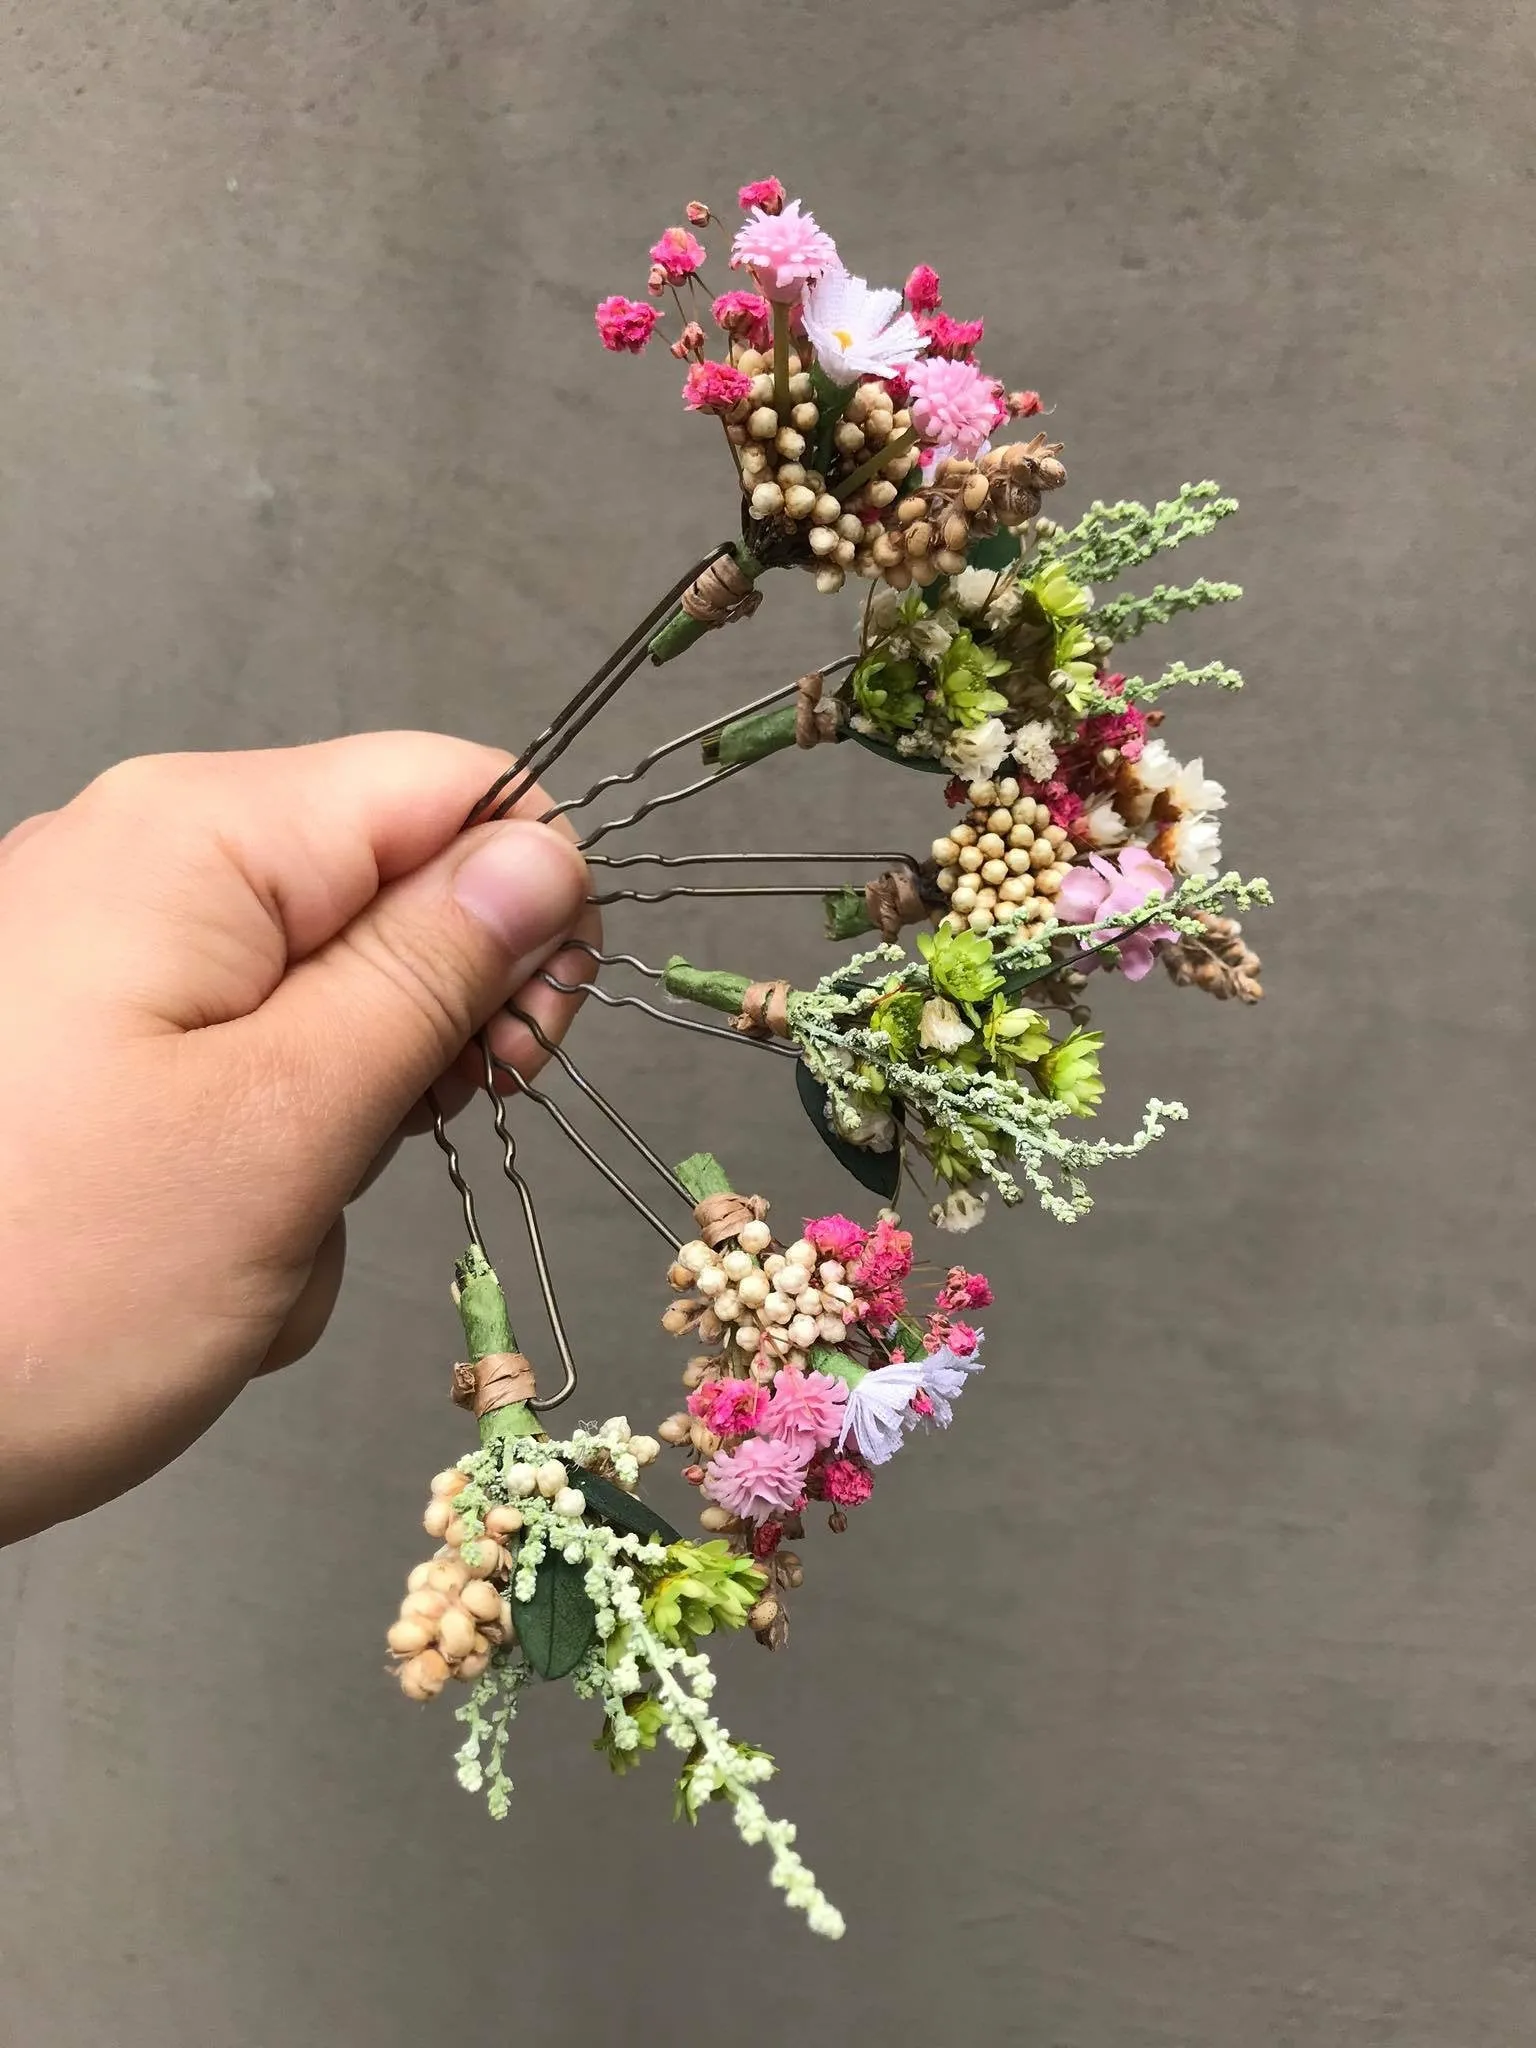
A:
(702, 1175)
(781, 404)
(711, 986)
(682, 628)
(847, 913)
(752, 739)
(487, 1324)
(897, 445)
(831, 403)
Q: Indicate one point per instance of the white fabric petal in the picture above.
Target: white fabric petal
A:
(876, 1407)
(944, 1377)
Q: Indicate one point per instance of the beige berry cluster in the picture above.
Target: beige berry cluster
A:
(454, 1612)
(966, 501)
(1004, 862)
(765, 1305)
(780, 486)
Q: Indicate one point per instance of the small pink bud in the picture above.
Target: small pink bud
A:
(657, 281)
(698, 213)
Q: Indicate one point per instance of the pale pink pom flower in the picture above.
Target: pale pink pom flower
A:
(761, 1477)
(954, 403)
(783, 250)
(805, 1408)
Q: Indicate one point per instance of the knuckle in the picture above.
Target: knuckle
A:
(425, 978)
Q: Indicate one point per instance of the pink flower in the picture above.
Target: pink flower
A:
(886, 1257)
(806, 1409)
(625, 324)
(965, 1290)
(758, 1480)
(836, 1237)
(921, 1404)
(953, 338)
(747, 315)
(1093, 894)
(782, 250)
(954, 405)
(1023, 405)
(729, 1407)
(922, 289)
(765, 193)
(715, 387)
(1064, 805)
(696, 213)
(1125, 730)
(963, 1339)
(678, 254)
(766, 1538)
(844, 1483)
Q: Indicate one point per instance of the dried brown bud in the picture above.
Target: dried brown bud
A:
(764, 1614)
(919, 537)
(697, 213)
(956, 532)
(675, 1429)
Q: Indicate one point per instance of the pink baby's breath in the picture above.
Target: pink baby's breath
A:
(625, 324)
(836, 1237)
(678, 254)
(715, 387)
(956, 339)
(766, 193)
(922, 289)
(747, 315)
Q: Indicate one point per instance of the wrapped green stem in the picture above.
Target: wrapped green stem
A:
(488, 1331)
(683, 628)
(752, 739)
(711, 986)
(702, 1175)
(847, 913)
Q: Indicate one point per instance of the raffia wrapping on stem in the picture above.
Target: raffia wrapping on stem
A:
(722, 594)
(894, 901)
(724, 1216)
(815, 718)
(764, 1010)
(495, 1381)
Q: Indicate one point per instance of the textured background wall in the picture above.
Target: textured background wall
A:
(1184, 1693)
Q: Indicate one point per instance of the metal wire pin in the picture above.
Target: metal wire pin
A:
(456, 1172)
(600, 1101)
(648, 761)
(613, 1002)
(535, 1237)
(660, 803)
(694, 860)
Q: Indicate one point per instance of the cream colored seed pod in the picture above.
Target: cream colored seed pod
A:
(754, 1237)
(456, 1634)
(424, 1677)
(409, 1635)
(550, 1478)
(501, 1522)
(437, 1517)
(448, 1483)
(426, 1605)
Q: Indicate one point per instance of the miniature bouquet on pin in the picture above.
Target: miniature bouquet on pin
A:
(1065, 842)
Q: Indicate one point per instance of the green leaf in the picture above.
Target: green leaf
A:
(880, 1172)
(887, 753)
(557, 1625)
(994, 553)
(620, 1510)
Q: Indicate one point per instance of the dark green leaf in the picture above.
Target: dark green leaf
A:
(994, 553)
(557, 1625)
(620, 1510)
(880, 1172)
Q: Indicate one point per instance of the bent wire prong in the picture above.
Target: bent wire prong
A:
(600, 1101)
(615, 1180)
(450, 1151)
(513, 784)
(660, 803)
(648, 761)
(613, 1002)
(535, 1237)
(698, 860)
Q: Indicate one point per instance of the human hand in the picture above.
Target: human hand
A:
(229, 980)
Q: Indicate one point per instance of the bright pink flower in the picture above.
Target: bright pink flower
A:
(715, 387)
(1126, 730)
(806, 1409)
(956, 339)
(761, 1478)
(964, 1290)
(921, 1403)
(766, 193)
(836, 1237)
(625, 324)
(844, 1483)
(766, 1538)
(747, 315)
(1101, 890)
(729, 1407)
(954, 405)
(962, 1339)
(1024, 405)
(679, 254)
(782, 250)
(922, 289)
(1064, 804)
(886, 1257)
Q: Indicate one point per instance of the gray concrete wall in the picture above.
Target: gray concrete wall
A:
(1184, 1693)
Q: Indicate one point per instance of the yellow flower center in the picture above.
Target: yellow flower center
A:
(843, 338)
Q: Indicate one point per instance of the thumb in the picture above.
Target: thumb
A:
(354, 1035)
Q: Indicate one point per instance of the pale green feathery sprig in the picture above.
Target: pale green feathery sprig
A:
(1110, 539)
(1122, 618)
(648, 1686)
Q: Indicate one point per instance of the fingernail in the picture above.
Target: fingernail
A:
(523, 884)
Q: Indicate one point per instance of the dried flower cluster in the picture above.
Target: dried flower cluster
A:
(1004, 860)
(779, 1417)
(859, 418)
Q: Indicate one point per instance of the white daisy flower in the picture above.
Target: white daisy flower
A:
(857, 332)
(1192, 790)
(942, 1028)
(1156, 768)
(1031, 747)
(1103, 824)
(977, 751)
(1194, 847)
